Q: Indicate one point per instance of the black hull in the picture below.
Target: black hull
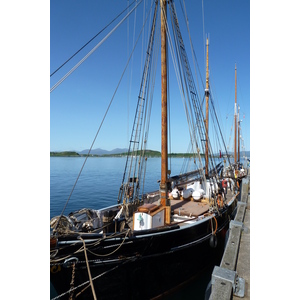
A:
(145, 265)
(145, 277)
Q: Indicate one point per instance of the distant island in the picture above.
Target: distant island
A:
(148, 153)
(65, 153)
(114, 153)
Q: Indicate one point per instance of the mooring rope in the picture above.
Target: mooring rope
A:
(88, 269)
(113, 250)
(216, 225)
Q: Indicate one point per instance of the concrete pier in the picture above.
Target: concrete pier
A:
(243, 262)
(231, 280)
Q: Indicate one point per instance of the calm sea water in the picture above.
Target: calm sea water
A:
(99, 183)
(98, 187)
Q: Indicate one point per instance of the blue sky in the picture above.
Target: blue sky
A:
(77, 106)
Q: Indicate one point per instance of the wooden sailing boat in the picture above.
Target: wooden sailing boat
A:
(149, 242)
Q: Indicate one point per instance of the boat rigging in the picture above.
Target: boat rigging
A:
(106, 252)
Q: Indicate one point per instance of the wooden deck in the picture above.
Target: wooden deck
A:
(191, 208)
(187, 208)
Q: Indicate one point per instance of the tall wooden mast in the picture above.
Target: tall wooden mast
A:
(235, 117)
(239, 124)
(164, 108)
(206, 118)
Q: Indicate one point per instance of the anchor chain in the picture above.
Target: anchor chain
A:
(72, 282)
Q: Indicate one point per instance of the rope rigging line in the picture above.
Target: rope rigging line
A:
(176, 67)
(152, 84)
(188, 82)
(139, 129)
(224, 144)
(148, 109)
(212, 162)
(195, 62)
(203, 30)
(93, 50)
(216, 104)
(231, 132)
(192, 95)
(183, 66)
(169, 111)
(131, 69)
(214, 118)
(129, 58)
(194, 56)
(142, 45)
(181, 83)
(168, 89)
(91, 39)
(243, 145)
(132, 57)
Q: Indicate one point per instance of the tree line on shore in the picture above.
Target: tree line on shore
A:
(148, 153)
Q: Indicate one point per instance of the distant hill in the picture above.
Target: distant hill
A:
(247, 153)
(124, 151)
(100, 151)
(64, 153)
(148, 153)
